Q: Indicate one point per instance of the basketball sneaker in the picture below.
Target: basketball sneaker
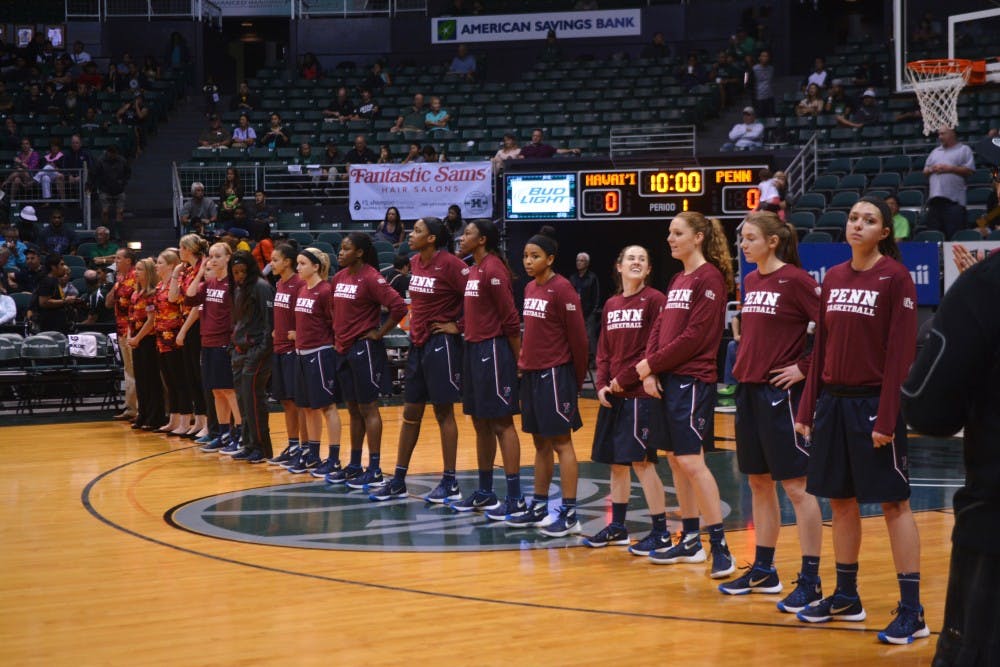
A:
(243, 454)
(907, 626)
(304, 462)
(755, 580)
(286, 455)
(444, 492)
(688, 550)
(807, 590)
(723, 564)
(613, 534)
(215, 444)
(205, 439)
(342, 475)
(653, 541)
(565, 524)
(479, 501)
(256, 458)
(387, 490)
(370, 477)
(508, 509)
(536, 516)
(837, 607)
(327, 466)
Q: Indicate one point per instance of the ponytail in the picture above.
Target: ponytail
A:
(318, 257)
(888, 245)
(364, 242)
(770, 225)
(715, 246)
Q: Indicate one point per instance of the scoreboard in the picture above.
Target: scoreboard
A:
(724, 191)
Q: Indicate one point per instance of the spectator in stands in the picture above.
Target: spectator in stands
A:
(692, 74)
(836, 101)
(866, 114)
(811, 104)
(200, 213)
(436, 119)
(230, 195)
(772, 189)
(453, 220)
(763, 85)
(588, 287)
(215, 136)
(102, 252)
(398, 276)
(868, 74)
(509, 151)
(133, 113)
(463, 64)
(385, 154)
(747, 135)
(260, 214)
(91, 77)
(79, 56)
(15, 247)
(551, 52)
(69, 289)
(342, 108)
(211, 95)
(75, 158)
(728, 76)
(5, 273)
(27, 279)
(10, 138)
(391, 228)
(276, 136)
(33, 104)
(656, 49)
(70, 110)
(429, 153)
(818, 76)
(360, 154)
(378, 78)
(947, 167)
(900, 225)
(412, 121)
(57, 238)
(6, 99)
(91, 122)
(236, 239)
(111, 175)
(538, 149)
(27, 162)
(743, 47)
(50, 170)
(244, 100)
(310, 69)
(8, 309)
(93, 308)
(177, 54)
(244, 136)
(367, 109)
(151, 69)
(413, 154)
(49, 304)
(61, 79)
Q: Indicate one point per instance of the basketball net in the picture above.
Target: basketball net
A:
(937, 84)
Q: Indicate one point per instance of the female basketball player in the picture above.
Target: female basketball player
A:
(779, 302)
(253, 304)
(359, 292)
(211, 291)
(553, 365)
(629, 422)
(192, 250)
(489, 387)
(168, 322)
(680, 367)
(142, 340)
(865, 343)
(315, 386)
(284, 363)
(434, 363)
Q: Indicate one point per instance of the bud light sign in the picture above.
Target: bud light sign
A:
(541, 196)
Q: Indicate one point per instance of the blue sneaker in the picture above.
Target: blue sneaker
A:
(688, 550)
(510, 507)
(907, 626)
(837, 607)
(243, 454)
(304, 462)
(370, 477)
(325, 468)
(256, 458)
(723, 564)
(285, 456)
(214, 445)
(388, 490)
(614, 534)
(232, 446)
(342, 475)
(652, 542)
(444, 492)
(807, 590)
(536, 516)
(205, 439)
(754, 580)
(565, 524)
(479, 501)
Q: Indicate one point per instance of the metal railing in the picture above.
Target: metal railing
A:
(666, 141)
(348, 8)
(803, 169)
(46, 187)
(102, 10)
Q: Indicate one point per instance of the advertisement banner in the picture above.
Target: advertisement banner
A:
(978, 249)
(920, 258)
(421, 189)
(517, 27)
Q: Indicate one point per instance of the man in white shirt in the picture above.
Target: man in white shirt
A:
(79, 56)
(947, 168)
(746, 136)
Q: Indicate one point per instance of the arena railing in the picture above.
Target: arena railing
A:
(348, 8)
(102, 10)
(74, 185)
(669, 141)
(803, 169)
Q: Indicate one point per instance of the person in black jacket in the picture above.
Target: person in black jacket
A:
(588, 287)
(111, 174)
(955, 383)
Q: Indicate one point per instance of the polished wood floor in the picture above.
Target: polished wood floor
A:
(113, 583)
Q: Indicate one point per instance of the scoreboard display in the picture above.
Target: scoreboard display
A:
(723, 191)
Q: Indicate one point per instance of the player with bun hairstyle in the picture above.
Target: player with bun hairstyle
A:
(359, 293)
(630, 424)
(680, 367)
(434, 362)
(284, 362)
(865, 342)
(780, 300)
(168, 322)
(193, 250)
(142, 340)
(552, 365)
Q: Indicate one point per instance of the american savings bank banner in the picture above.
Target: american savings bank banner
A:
(418, 190)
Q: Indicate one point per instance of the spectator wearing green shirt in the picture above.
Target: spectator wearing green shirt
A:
(103, 251)
(900, 224)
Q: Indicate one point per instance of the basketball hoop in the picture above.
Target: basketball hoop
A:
(937, 84)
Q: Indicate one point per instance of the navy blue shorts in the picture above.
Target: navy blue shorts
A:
(315, 384)
(284, 369)
(689, 412)
(216, 368)
(489, 383)
(548, 402)
(434, 371)
(843, 462)
(629, 431)
(363, 372)
(766, 441)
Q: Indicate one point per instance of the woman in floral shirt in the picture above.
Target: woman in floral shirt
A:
(168, 322)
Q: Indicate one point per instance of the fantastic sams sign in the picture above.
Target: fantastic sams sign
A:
(426, 188)
(518, 27)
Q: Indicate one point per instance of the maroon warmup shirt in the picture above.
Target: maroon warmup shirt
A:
(216, 312)
(554, 331)
(357, 304)
(628, 321)
(866, 336)
(685, 337)
(314, 316)
(489, 302)
(777, 309)
(436, 292)
(284, 312)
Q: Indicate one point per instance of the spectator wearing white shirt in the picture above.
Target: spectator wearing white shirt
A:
(819, 75)
(747, 135)
(8, 309)
(509, 151)
(79, 56)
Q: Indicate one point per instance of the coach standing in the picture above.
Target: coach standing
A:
(947, 167)
(589, 289)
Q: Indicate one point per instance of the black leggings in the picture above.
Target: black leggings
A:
(251, 373)
(191, 354)
(175, 378)
(148, 385)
